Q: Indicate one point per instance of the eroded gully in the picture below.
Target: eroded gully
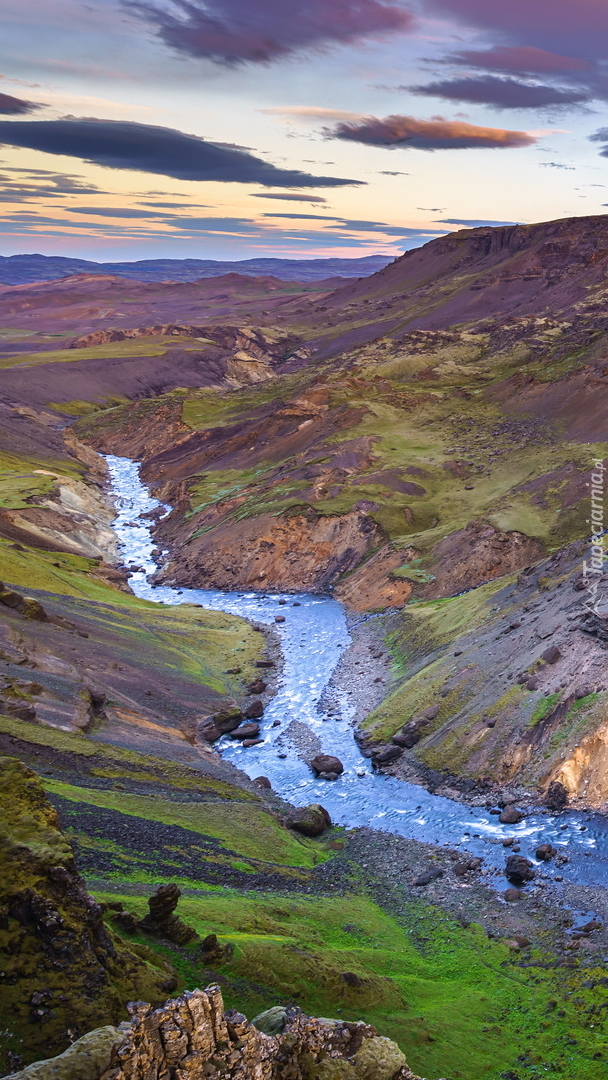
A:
(313, 638)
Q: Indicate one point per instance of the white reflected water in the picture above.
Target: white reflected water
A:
(312, 639)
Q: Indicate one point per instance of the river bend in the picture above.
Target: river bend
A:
(312, 638)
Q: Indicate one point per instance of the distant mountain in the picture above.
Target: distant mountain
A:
(24, 269)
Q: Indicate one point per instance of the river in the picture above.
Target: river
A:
(312, 638)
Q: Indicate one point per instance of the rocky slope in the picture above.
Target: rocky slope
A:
(63, 971)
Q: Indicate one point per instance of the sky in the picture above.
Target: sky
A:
(236, 129)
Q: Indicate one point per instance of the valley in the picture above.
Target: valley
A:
(369, 502)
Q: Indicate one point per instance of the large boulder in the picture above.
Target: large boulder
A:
(519, 870)
(387, 754)
(309, 820)
(556, 797)
(327, 763)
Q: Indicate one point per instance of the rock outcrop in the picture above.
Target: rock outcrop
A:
(62, 971)
(192, 1038)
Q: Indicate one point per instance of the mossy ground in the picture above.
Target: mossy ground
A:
(458, 1004)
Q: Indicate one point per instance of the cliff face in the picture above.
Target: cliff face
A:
(63, 971)
(192, 1038)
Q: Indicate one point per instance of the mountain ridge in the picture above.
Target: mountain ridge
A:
(26, 269)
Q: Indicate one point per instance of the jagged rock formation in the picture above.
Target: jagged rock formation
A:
(192, 1038)
(62, 970)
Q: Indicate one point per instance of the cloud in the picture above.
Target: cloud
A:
(237, 32)
(555, 165)
(574, 28)
(14, 106)
(113, 211)
(501, 92)
(16, 185)
(288, 196)
(601, 136)
(118, 144)
(393, 172)
(174, 205)
(407, 132)
(475, 223)
(352, 224)
(520, 60)
(310, 112)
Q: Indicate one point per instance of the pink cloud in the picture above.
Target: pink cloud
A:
(576, 28)
(407, 132)
(260, 31)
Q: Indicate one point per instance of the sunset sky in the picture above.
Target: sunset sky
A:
(229, 129)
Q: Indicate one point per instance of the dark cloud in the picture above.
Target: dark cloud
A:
(601, 136)
(520, 60)
(502, 92)
(288, 196)
(260, 31)
(475, 223)
(407, 132)
(119, 144)
(14, 106)
(573, 28)
(555, 165)
(393, 172)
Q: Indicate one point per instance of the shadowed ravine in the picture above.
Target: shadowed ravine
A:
(312, 639)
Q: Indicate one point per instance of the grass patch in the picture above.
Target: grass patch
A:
(248, 830)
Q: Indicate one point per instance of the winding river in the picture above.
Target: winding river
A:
(312, 639)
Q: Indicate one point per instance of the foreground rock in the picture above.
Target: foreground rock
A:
(64, 971)
(192, 1038)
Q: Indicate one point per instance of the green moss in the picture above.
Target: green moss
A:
(544, 707)
(247, 829)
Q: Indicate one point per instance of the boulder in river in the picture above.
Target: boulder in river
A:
(327, 763)
(309, 820)
(545, 852)
(556, 797)
(519, 870)
(510, 816)
(262, 782)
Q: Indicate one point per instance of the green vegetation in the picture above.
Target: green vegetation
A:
(458, 1004)
(248, 829)
(544, 707)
